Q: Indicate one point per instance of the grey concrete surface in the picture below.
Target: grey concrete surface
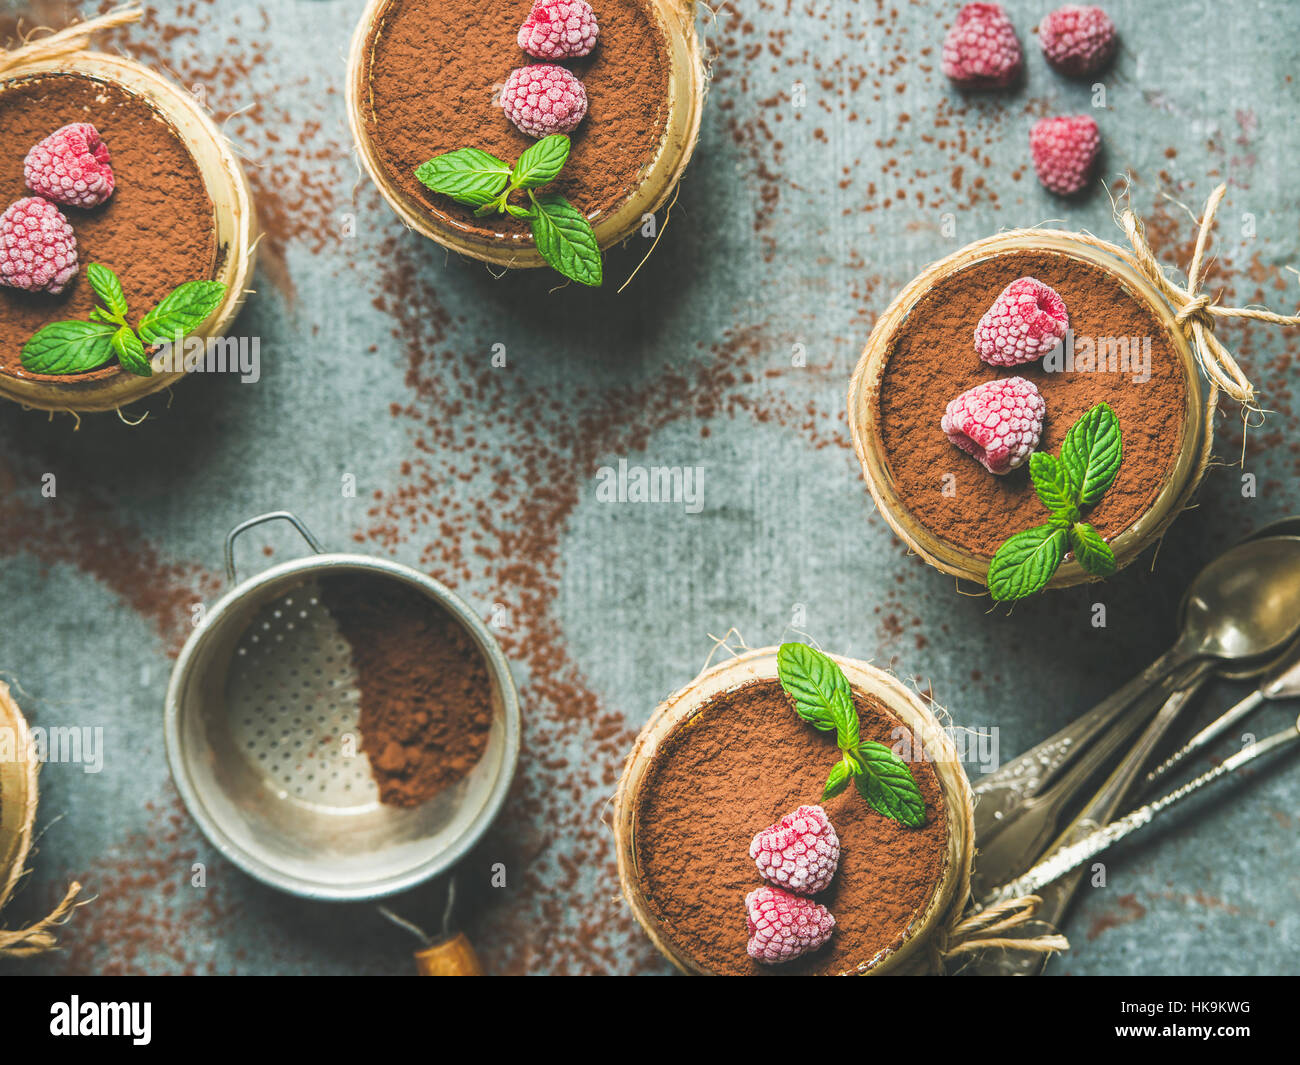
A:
(781, 237)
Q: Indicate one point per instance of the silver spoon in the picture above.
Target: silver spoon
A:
(1234, 612)
(1070, 857)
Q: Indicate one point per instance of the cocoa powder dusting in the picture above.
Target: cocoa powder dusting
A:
(156, 231)
(426, 705)
(934, 359)
(744, 761)
(435, 69)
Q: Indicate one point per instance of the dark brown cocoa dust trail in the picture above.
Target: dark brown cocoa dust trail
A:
(155, 232)
(426, 700)
(744, 762)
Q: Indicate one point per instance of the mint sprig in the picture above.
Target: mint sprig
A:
(480, 180)
(63, 348)
(822, 697)
(1089, 463)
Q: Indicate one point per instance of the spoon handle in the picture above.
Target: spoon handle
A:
(1002, 793)
(1209, 734)
(1070, 857)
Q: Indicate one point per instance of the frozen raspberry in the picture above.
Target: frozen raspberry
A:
(981, 50)
(1077, 40)
(70, 166)
(38, 250)
(1025, 322)
(543, 99)
(1065, 152)
(999, 422)
(783, 926)
(800, 852)
(559, 29)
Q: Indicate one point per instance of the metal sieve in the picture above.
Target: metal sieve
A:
(262, 737)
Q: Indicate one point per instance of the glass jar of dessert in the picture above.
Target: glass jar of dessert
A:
(1123, 349)
(177, 210)
(427, 77)
(727, 756)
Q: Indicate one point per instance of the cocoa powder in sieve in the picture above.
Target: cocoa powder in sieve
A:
(156, 231)
(933, 359)
(738, 765)
(426, 700)
(435, 67)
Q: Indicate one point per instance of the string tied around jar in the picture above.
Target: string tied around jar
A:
(1195, 312)
(987, 929)
(70, 40)
(40, 937)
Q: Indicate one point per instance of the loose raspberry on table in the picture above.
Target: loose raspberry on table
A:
(559, 29)
(981, 50)
(71, 167)
(38, 250)
(799, 853)
(998, 422)
(543, 99)
(1078, 40)
(1065, 152)
(783, 927)
(1025, 322)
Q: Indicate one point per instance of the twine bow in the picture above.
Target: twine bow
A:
(72, 39)
(985, 929)
(40, 937)
(1196, 312)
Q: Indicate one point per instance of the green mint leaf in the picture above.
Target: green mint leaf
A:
(182, 311)
(565, 238)
(542, 162)
(1052, 483)
(130, 352)
(108, 288)
(519, 212)
(101, 315)
(1093, 553)
(818, 686)
(1092, 451)
(467, 175)
(886, 782)
(1025, 562)
(837, 781)
(69, 347)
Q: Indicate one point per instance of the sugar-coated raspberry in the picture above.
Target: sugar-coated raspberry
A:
(543, 99)
(1065, 152)
(998, 422)
(799, 853)
(783, 927)
(559, 29)
(981, 50)
(71, 166)
(1078, 40)
(1025, 322)
(38, 250)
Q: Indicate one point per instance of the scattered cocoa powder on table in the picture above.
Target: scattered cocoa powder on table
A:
(426, 700)
(933, 359)
(435, 67)
(738, 765)
(155, 232)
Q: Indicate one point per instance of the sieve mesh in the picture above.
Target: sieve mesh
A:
(293, 703)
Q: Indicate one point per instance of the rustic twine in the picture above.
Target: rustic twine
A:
(983, 929)
(40, 938)
(68, 41)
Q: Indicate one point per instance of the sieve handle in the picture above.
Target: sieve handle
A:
(452, 957)
(262, 519)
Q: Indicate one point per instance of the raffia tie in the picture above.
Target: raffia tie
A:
(75, 38)
(986, 929)
(40, 937)
(1196, 312)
